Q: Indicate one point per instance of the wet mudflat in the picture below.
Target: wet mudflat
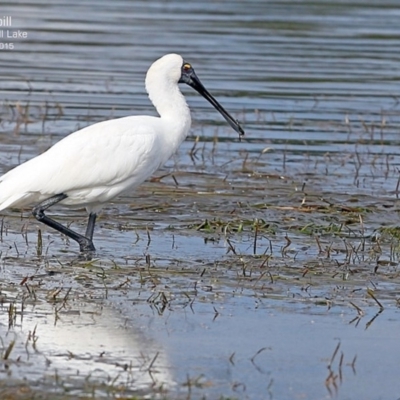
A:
(266, 268)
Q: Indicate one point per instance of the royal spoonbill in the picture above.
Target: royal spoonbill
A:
(95, 164)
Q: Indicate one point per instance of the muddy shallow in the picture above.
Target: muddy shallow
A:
(261, 269)
(186, 307)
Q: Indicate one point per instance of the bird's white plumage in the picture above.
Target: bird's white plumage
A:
(95, 164)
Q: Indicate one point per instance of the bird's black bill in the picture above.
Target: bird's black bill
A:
(190, 78)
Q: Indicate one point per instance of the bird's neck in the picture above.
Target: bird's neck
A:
(171, 106)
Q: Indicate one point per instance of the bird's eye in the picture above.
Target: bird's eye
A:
(186, 67)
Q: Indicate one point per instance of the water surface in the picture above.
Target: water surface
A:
(242, 269)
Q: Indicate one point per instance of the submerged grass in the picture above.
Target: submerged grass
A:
(227, 223)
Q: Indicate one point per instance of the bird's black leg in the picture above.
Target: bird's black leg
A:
(85, 243)
(90, 225)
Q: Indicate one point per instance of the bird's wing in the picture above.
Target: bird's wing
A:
(101, 155)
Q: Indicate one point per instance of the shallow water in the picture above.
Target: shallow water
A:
(277, 244)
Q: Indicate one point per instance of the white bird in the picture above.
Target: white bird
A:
(93, 165)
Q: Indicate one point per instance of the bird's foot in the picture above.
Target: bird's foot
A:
(86, 245)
